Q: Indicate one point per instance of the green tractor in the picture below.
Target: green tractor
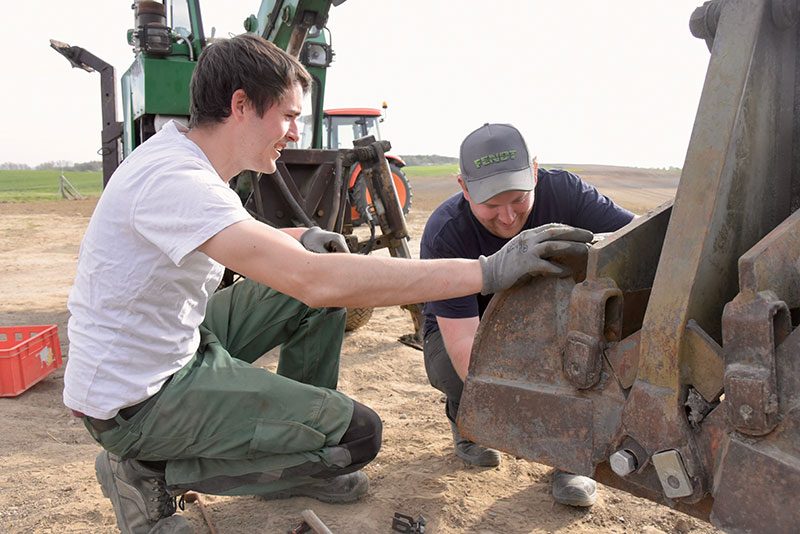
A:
(316, 183)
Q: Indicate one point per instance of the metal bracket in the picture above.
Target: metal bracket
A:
(753, 325)
(595, 319)
(672, 474)
(583, 359)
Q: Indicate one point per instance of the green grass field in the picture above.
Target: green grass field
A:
(27, 186)
(424, 171)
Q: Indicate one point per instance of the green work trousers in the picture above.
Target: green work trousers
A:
(226, 427)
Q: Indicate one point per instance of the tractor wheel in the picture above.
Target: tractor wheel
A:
(356, 318)
(404, 193)
(403, 187)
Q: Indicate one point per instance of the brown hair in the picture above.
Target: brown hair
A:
(247, 62)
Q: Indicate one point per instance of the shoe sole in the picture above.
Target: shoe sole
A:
(584, 503)
(104, 475)
(343, 499)
(358, 491)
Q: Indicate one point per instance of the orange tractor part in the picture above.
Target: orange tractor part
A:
(346, 124)
(401, 185)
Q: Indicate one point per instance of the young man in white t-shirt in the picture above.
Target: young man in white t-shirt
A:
(160, 366)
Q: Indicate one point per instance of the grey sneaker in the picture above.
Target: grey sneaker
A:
(139, 495)
(473, 453)
(573, 490)
(336, 490)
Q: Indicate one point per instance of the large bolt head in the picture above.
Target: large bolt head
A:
(622, 463)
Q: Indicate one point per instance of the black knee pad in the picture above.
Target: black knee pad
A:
(364, 435)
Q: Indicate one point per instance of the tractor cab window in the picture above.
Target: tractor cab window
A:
(370, 127)
(342, 130)
(178, 17)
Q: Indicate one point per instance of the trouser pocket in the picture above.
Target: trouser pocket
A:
(284, 437)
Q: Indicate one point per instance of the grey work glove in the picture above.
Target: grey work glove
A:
(528, 252)
(316, 239)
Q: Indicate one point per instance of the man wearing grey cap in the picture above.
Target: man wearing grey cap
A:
(503, 193)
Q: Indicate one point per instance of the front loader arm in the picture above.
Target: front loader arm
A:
(286, 22)
(80, 58)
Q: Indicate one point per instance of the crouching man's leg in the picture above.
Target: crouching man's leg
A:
(223, 426)
(249, 319)
(234, 429)
(342, 482)
(443, 377)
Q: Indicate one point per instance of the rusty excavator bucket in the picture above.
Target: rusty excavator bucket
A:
(671, 368)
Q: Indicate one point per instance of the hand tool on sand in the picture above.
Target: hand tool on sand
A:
(191, 496)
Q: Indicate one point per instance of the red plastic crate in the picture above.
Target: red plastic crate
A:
(27, 355)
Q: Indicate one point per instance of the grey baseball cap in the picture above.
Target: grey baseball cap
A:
(494, 159)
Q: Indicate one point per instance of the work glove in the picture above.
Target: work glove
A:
(528, 253)
(316, 239)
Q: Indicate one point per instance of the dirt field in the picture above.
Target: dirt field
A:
(46, 457)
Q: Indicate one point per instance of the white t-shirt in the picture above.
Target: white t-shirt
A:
(141, 289)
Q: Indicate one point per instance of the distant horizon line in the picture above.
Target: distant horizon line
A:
(68, 163)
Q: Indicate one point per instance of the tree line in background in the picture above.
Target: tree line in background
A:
(428, 160)
(88, 166)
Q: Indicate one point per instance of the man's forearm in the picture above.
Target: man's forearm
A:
(275, 259)
(361, 281)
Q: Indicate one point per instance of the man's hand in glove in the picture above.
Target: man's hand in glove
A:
(528, 252)
(316, 239)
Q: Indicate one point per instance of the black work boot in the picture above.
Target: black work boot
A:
(473, 453)
(336, 490)
(139, 495)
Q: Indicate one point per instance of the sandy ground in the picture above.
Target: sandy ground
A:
(47, 479)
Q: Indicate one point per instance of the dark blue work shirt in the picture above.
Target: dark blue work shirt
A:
(452, 231)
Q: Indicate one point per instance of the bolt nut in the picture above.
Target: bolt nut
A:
(622, 463)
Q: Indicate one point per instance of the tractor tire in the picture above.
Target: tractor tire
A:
(356, 318)
(404, 192)
(401, 184)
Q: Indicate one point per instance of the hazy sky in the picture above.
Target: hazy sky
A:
(586, 81)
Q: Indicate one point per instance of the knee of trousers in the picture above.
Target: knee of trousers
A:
(364, 436)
